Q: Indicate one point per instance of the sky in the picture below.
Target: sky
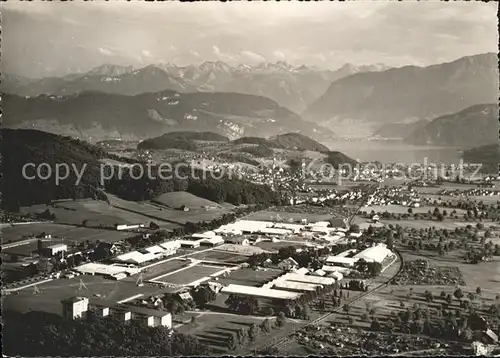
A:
(43, 39)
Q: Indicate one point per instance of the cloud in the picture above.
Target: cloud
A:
(278, 55)
(105, 51)
(216, 51)
(318, 34)
(250, 56)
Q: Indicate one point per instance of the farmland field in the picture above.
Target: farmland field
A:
(179, 198)
(287, 216)
(220, 256)
(189, 275)
(163, 268)
(152, 211)
(213, 328)
(70, 234)
(400, 209)
(250, 277)
(22, 232)
(51, 293)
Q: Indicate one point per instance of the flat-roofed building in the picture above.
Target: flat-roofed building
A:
(260, 292)
(213, 241)
(170, 247)
(52, 250)
(94, 268)
(74, 307)
(295, 286)
(309, 279)
(340, 261)
(376, 253)
(274, 231)
(190, 244)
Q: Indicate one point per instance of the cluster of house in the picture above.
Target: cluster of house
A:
(77, 307)
(346, 260)
(395, 195)
(297, 281)
(289, 286)
(323, 231)
(470, 192)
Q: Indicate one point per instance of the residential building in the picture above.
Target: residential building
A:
(74, 307)
(50, 251)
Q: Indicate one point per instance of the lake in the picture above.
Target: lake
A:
(394, 151)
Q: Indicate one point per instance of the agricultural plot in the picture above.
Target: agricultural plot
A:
(165, 215)
(419, 272)
(250, 277)
(188, 275)
(275, 246)
(220, 256)
(163, 268)
(288, 216)
(51, 293)
(23, 232)
(399, 209)
(423, 224)
(97, 213)
(70, 235)
(214, 328)
(177, 199)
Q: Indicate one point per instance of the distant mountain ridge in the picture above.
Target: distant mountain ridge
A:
(487, 155)
(290, 86)
(96, 116)
(185, 140)
(409, 92)
(474, 126)
(297, 141)
(399, 130)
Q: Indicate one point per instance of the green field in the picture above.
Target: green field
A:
(400, 209)
(70, 234)
(190, 274)
(250, 277)
(51, 293)
(177, 199)
(162, 268)
(213, 328)
(287, 216)
(220, 256)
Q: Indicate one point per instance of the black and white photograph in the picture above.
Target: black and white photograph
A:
(250, 178)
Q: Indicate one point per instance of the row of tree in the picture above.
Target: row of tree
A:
(37, 334)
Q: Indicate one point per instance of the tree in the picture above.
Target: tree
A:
(241, 335)
(265, 326)
(354, 228)
(306, 312)
(280, 319)
(428, 296)
(390, 240)
(203, 295)
(458, 293)
(253, 332)
(410, 211)
(478, 290)
(375, 325)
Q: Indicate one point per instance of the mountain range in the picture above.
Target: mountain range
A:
(96, 116)
(407, 93)
(291, 86)
(487, 155)
(474, 126)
